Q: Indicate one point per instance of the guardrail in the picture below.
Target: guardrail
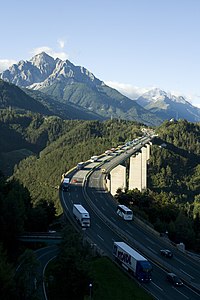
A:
(138, 246)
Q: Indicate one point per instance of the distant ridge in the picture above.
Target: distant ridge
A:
(69, 84)
(167, 106)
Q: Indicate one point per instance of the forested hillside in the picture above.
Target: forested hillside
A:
(25, 134)
(68, 143)
(51, 146)
(17, 215)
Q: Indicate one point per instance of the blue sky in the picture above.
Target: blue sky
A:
(132, 45)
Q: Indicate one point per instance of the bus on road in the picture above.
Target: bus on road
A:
(125, 212)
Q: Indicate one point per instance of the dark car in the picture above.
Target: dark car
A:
(166, 253)
(174, 279)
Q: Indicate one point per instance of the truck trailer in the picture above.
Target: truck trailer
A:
(132, 261)
(81, 215)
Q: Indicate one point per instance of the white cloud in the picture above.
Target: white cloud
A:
(133, 92)
(55, 54)
(61, 43)
(6, 63)
(194, 100)
(128, 90)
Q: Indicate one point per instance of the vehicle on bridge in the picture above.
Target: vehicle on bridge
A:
(80, 165)
(94, 158)
(174, 279)
(81, 215)
(166, 253)
(125, 212)
(132, 261)
(65, 184)
(108, 152)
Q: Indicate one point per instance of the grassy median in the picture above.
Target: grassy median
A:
(110, 283)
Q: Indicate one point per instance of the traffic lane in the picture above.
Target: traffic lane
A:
(147, 241)
(44, 256)
(39, 252)
(159, 285)
(104, 242)
(104, 236)
(188, 266)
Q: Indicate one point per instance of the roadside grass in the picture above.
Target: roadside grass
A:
(110, 283)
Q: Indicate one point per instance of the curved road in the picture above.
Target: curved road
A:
(107, 226)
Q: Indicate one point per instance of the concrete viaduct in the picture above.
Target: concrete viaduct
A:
(137, 172)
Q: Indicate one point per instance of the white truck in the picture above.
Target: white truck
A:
(81, 215)
(132, 261)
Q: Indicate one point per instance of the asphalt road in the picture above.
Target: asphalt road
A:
(107, 227)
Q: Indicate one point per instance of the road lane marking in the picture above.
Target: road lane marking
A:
(179, 261)
(157, 286)
(103, 208)
(100, 237)
(192, 290)
(98, 225)
(187, 274)
(181, 293)
(113, 219)
(152, 250)
(128, 231)
(149, 240)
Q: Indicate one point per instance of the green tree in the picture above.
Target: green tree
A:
(70, 272)
(26, 274)
(7, 283)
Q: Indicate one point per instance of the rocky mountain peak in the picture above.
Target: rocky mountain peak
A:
(42, 70)
(42, 59)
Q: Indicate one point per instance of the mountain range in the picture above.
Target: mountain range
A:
(74, 92)
(168, 106)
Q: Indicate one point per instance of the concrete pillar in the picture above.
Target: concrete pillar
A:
(148, 150)
(118, 179)
(108, 183)
(144, 168)
(135, 172)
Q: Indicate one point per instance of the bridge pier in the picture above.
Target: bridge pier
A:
(137, 173)
(117, 179)
(138, 169)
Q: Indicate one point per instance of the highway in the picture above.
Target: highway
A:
(87, 188)
(44, 256)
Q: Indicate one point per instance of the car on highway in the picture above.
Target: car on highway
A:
(166, 253)
(174, 279)
(74, 180)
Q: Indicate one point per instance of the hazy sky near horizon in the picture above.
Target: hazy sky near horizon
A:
(132, 45)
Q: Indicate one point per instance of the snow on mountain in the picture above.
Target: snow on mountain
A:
(62, 79)
(42, 70)
(157, 94)
(169, 106)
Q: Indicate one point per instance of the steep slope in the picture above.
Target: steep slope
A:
(64, 110)
(168, 106)
(76, 85)
(26, 73)
(12, 96)
(74, 141)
